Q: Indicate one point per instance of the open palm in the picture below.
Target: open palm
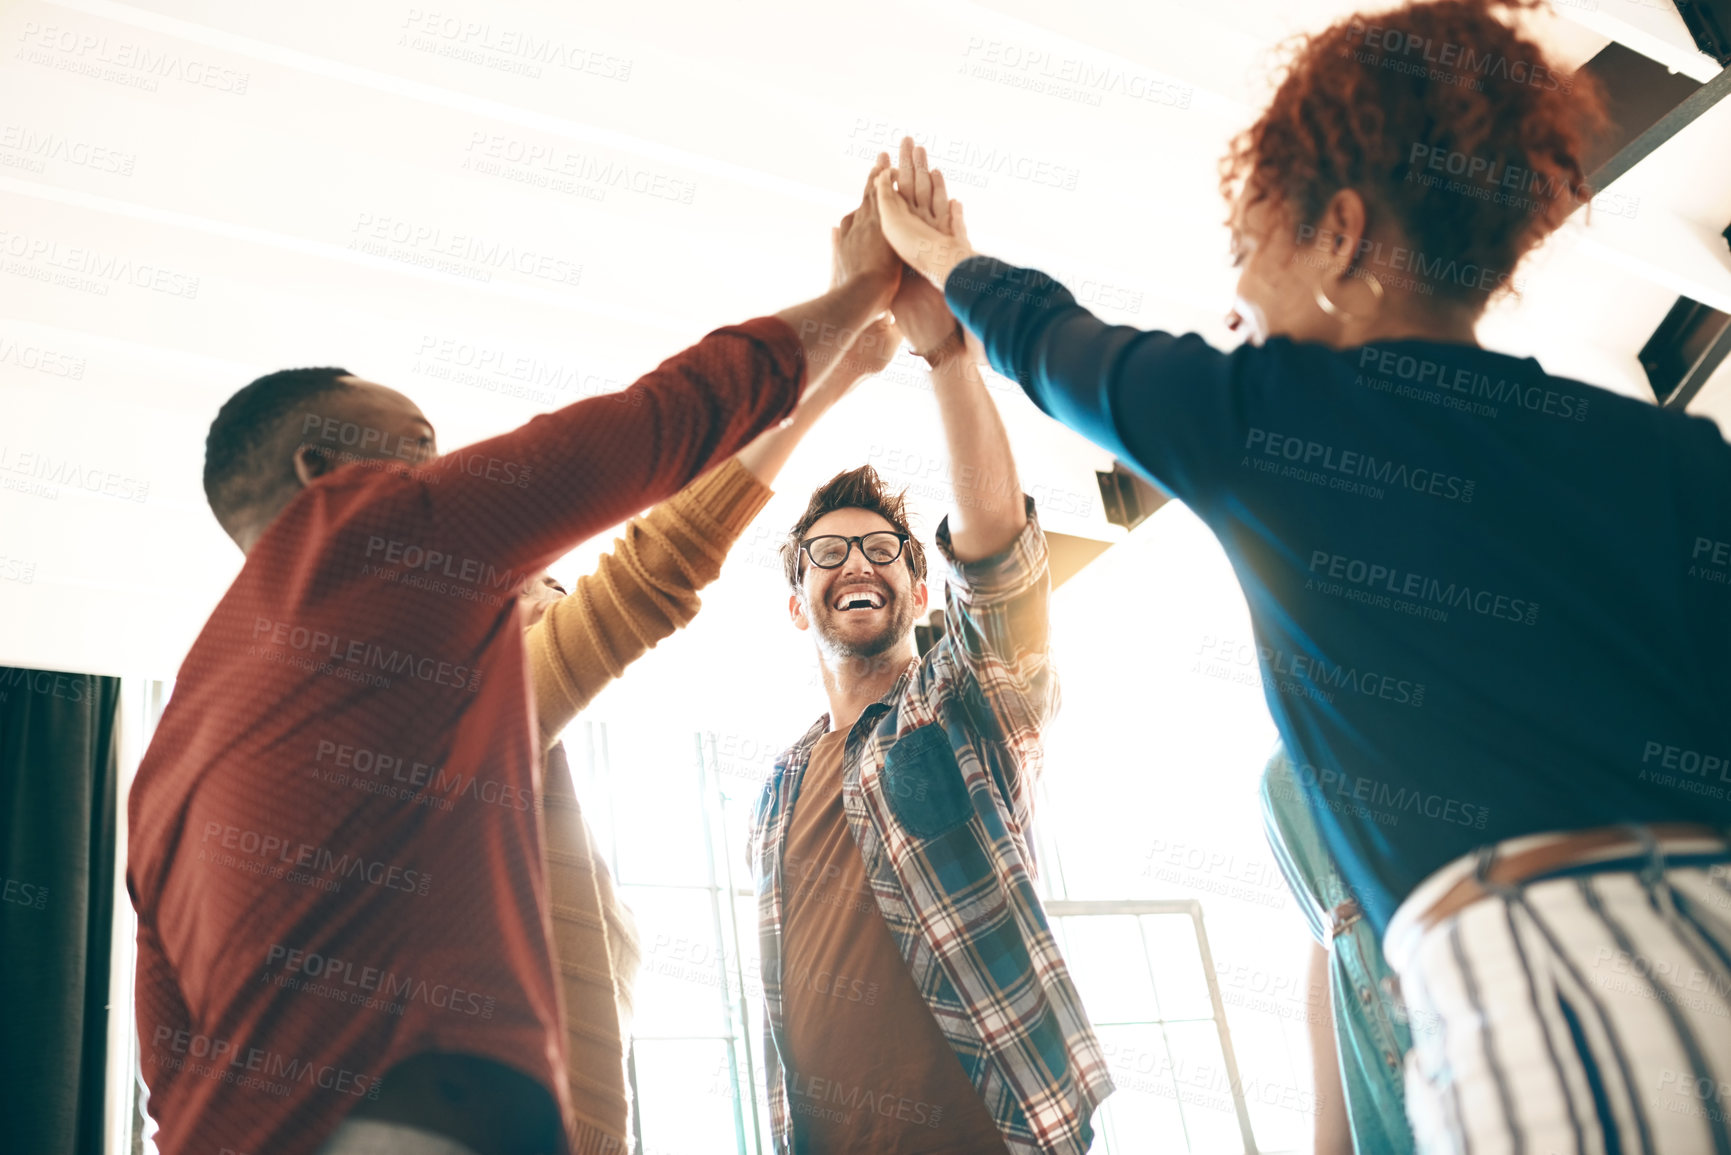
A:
(919, 307)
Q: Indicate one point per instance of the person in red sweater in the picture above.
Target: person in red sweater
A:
(341, 638)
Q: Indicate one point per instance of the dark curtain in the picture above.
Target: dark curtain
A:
(58, 763)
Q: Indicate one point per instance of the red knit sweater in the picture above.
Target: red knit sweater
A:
(335, 835)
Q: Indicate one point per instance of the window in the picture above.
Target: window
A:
(671, 813)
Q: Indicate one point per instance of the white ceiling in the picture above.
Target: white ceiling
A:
(209, 174)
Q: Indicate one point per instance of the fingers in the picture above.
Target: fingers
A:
(940, 201)
(909, 234)
(868, 206)
(905, 170)
(884, 187)
(897, 218)
(866, 214)
(878, 165)
(958, 225)
(922, 182)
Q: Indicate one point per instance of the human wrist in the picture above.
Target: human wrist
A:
(848, 372)
(819, 401)
(872, 291)
(937, 264)
(836, 370)
(952, 345)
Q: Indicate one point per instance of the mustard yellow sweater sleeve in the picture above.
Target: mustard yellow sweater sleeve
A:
(641, 592)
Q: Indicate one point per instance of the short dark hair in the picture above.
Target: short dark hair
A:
(239, 472)
(860, 488)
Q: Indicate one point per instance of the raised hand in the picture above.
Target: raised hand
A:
(858, 355)
(930, 244)
(867, 352)
(919, 307)
(862, 253)
(870, 353)
(869, 273)
(838, 357)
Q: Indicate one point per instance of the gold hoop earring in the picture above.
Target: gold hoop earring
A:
(1340, 314)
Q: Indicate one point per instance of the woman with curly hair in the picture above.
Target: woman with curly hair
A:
(1489, 603)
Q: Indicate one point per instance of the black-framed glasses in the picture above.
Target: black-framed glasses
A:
(830, 550)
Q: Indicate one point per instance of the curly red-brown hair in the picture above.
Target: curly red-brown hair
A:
(1399, 104)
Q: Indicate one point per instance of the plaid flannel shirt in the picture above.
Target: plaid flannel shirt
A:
(937, 784)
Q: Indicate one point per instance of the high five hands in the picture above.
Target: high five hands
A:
(859, 253)
(902, 240)
(918, 218)
(919, 306)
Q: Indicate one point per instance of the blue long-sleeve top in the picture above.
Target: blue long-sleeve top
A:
(1487, 602)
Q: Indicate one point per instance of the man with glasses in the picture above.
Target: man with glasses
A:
(915, 997)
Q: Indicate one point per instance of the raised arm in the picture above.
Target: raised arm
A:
(988, 512)
(867, 274)
(641, 592)
(995, 605)
(518, 501)
(847, 357)
(1144, 395)
(873, 348)
(1170, 405)
(647, 587)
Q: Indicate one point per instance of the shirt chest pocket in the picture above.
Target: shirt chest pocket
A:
(924, 785)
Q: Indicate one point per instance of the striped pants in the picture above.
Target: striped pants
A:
(1576, 1015)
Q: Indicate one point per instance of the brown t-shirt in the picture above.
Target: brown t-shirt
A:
(869, 1071)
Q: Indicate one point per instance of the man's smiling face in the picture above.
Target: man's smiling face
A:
(859, 609)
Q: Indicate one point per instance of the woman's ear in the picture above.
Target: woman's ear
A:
(1344, 221)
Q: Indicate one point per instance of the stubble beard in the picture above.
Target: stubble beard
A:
(875, 645)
